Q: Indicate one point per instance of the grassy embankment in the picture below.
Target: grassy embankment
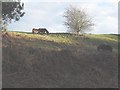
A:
(58, 60)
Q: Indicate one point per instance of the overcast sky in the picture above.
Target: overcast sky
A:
(49, 14)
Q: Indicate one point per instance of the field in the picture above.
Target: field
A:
(59, 60)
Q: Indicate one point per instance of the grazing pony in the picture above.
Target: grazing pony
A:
(40, 31)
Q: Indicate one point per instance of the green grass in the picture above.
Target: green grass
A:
(59, 40)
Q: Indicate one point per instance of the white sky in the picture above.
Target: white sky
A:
(48, 14)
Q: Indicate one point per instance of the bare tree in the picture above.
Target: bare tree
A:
(77, 20)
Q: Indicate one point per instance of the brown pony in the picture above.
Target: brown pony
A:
(40, 31)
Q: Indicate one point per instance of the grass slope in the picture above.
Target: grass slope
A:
(59, 60)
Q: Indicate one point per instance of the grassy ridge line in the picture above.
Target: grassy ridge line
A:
(61, 40)
(58, 38)
(65, 36)
(105, 37)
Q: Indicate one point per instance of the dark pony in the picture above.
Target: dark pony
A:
(40, 31)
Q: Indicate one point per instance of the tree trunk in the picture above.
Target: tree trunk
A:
(78, 32)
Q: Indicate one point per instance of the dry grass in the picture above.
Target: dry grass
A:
(38, 62)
